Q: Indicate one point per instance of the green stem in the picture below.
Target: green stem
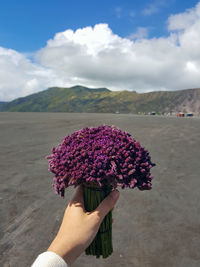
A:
(102, 243)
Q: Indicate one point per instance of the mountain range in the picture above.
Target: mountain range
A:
(83, 99)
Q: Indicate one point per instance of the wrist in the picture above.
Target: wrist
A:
(64, 251)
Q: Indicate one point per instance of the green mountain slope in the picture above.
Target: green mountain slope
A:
(2, 103)
(83, 99)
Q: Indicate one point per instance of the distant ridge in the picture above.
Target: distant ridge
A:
(84, 99)
(2, 103)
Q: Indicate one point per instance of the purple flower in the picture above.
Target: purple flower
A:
(104, 155)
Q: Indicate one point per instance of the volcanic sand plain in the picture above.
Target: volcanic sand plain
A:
(160, 227)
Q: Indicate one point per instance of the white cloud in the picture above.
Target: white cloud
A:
(184, 20)
(96, 57)
(186, 26)
(118, 12)
(153, 8)
(140, 33)
(19, 76)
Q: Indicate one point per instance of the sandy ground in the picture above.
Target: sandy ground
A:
(153, 228)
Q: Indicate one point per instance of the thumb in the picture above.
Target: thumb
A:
(107, 204)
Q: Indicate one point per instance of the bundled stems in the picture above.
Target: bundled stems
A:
(102, 243)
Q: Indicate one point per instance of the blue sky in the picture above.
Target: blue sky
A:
(26, 25)
(119, 44)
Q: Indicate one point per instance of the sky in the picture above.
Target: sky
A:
(135, 45)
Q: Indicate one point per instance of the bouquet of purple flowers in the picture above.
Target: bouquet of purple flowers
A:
(100, 159)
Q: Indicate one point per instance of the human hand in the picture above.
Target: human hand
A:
(79, 228)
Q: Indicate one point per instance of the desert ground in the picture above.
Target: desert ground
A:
(155, 228)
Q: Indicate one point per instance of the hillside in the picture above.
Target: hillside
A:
(2, 103)
(83, 99)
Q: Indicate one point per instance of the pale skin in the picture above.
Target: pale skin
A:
(79, 227)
